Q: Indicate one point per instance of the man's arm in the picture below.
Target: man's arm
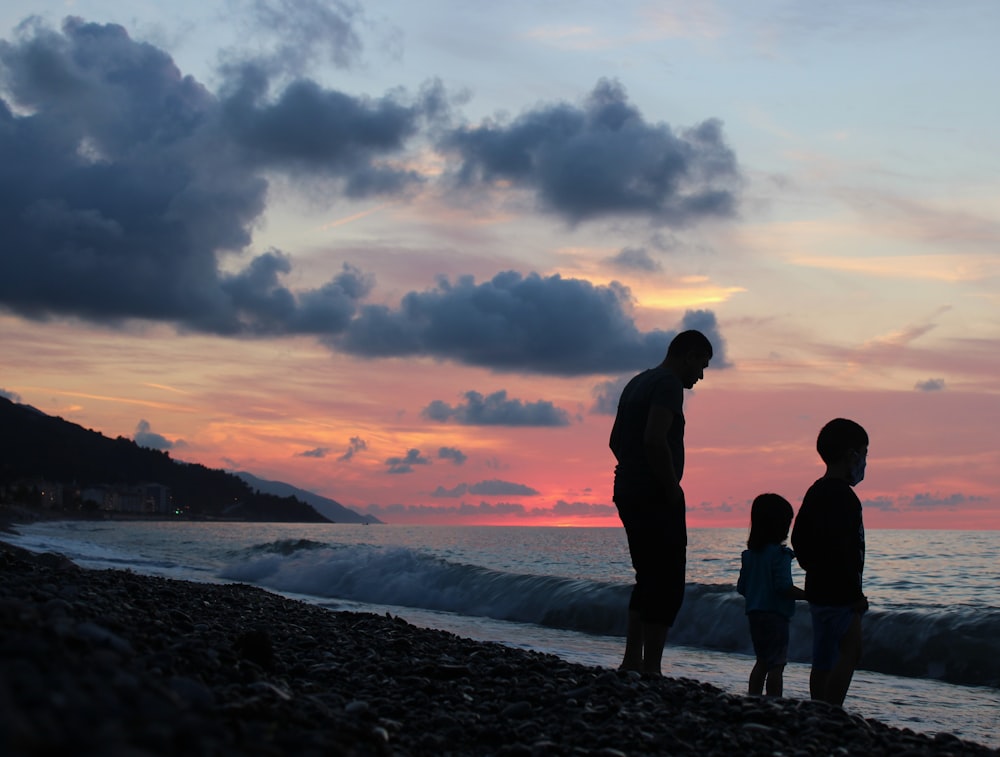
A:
(654, 440)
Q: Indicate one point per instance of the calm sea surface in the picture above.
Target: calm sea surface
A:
(932, 637)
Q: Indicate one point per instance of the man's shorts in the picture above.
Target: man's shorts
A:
(658, 546)
(769, 633)
(830, 624)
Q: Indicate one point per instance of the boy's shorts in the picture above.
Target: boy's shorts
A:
(830, 623)
(769, 633)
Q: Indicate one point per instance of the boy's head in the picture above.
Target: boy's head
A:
(838, 438)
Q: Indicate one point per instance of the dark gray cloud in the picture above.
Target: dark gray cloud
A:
(299, 33)
(405, 464)
(319, 453)
(929, 501)
(465, 509)
(603, 159)
(12, 396)
(491, 488)
(451, 453)
(582, 509)
(145, 437)
(354, 446)
(635, 259)
(606, 393)
(124, 182)
(496, 410)
(327, 134)
(924, 501)
(428, 513)
(459, 490)
(497, 488)
(516, 322)
(930, 385)
(127, 190)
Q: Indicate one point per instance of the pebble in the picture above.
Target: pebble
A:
(96, 663)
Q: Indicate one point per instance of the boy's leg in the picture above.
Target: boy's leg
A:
(839, 680)
(818, 680)
(757, 676)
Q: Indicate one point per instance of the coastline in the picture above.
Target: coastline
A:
(110, 662)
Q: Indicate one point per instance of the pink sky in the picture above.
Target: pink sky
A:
(398, 262)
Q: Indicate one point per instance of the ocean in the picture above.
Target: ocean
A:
(932, 636)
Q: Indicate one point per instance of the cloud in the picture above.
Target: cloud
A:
(580, 510)
(405, 464)
(319, 453)
(496, 410)
(300, 32)
(930, 385)
(456, 491)
(123, 182)
(144, 437)
(929, 501)
(356, 445)
(924, 501)
(12, 396)
(635, 259)
(606, 395)
(127, 191)
(516, 322)
(322, 133)
(451, 453)
(496, 488)
(430, 513)
(602, 159)
(426, 513)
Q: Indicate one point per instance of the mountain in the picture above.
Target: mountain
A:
(323, 505)
(36, 448)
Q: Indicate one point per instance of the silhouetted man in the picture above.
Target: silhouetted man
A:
(648, 443)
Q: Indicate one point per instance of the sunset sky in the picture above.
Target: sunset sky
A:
(404, 255)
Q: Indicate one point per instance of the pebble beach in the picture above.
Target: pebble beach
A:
(111, 663)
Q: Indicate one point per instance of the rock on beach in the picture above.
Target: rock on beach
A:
(115, 664)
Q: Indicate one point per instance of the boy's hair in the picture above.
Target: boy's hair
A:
(770, 519)
(838, 437)
(687, 342)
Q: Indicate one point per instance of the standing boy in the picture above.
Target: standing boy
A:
(829, 543)
(648, 442)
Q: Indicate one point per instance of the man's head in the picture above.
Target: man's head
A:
(688, 355)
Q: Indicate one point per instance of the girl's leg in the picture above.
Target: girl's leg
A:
(775, 681)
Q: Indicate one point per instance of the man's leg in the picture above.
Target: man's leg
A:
(633, 643)
(654, 638)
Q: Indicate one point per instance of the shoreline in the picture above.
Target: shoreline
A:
(111, 662)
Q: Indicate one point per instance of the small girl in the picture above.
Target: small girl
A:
(766, 583)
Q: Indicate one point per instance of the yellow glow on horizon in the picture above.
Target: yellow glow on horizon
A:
(931, 267)
(694, 292)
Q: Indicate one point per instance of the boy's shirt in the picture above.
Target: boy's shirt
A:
(829, 542)
(765, 578)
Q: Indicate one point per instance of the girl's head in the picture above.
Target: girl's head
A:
(770, 518)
